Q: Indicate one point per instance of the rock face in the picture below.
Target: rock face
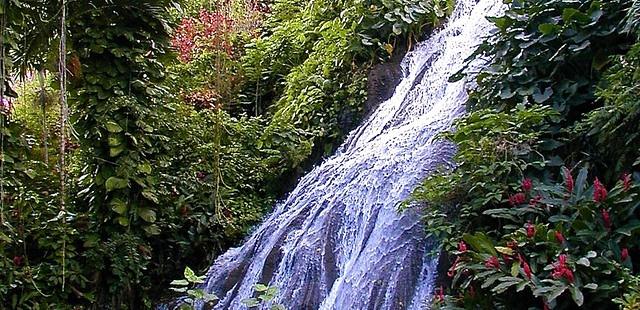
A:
(383, 79)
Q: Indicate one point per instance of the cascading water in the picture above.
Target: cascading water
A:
(338, 241)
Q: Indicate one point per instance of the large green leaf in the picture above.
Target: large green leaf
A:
(114, 183)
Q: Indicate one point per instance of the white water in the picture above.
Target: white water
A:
(338, 241)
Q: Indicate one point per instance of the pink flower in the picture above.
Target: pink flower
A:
(531, 230)
(492, 262)
(626, 181)
(517, 199)
(559, 237)
(462, 247)
(599, 191)
(527, 185)
(606, 218)
(624, 254)
(568, 180)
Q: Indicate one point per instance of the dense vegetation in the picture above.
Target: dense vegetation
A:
(542, 208)
(139, 137)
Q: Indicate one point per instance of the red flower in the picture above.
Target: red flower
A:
(624, 254)
(561, 270)
(568, 180)
(527, 269)
(452, 271)
(492, 262)
(525, 266)
(17, 260)
(517, 199)
(626, 181)
(439, 294)
(535, 200)
(559, 237)
(527, 185)
(531, 230)
(606, 218)
(545, 306)
(599, 191)
(512, 245)
(462, 247)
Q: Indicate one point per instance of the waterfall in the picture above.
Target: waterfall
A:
(338, 241)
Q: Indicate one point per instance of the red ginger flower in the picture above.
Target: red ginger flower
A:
(452, 271)
(568, 180)
(626, 181)
(462, 247)
(517, 199)
(535, 200)
(531, 230)
(525, 266)
(561, 270)
(492, 262)
(527, 185)
(624, 254)
(439, 294)
(599, 191)
(606, 218)
(17, 260)
(559, 237)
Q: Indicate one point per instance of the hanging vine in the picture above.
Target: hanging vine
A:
(64, 115)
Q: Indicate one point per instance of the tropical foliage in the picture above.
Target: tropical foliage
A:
(541, 209)
(187, 121)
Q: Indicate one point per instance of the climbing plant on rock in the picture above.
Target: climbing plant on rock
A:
(114, 92)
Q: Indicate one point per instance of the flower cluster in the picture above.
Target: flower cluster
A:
(599, 191)
(561, 269)
(492, 263)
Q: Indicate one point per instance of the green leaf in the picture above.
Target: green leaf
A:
(190, 275)
(577, 296)
(502, 287)
(179, 282)
(152, 230)
(547, 29)
(118, 206)
(481, 243)
(114, 183)
(515, 269)
(584, 262)
(251, 302)
(123, 221)
(260, 287)
(151, 196)
(504, 250)
(147, 215)
(144, 168)
(628, 229)
(115, 151)
(113, 127)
